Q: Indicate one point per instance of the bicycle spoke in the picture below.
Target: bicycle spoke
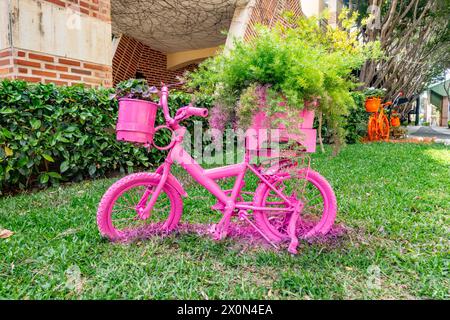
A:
(124, 214)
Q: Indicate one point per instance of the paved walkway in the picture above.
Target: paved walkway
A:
(440, 134)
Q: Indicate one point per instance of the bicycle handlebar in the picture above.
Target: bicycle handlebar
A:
(199, 112)
(182, 113)
(165, 105)
(189, 111)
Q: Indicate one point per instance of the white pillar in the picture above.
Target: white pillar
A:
(312, 7)
(239, 23)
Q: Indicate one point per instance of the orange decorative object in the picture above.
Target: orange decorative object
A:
(378, 125)
(395, 121)
(373, 104)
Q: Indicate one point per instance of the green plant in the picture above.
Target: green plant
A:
(426, 124)
(448, 123)
(50, 134)
(295, 65)
(135, 89)
(375, 92)
(356, 121)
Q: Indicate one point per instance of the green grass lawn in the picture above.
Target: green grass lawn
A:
(393, 198)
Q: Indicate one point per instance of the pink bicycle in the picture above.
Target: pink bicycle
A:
(291, 202)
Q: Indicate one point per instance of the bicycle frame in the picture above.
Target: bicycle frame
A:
(207, 178)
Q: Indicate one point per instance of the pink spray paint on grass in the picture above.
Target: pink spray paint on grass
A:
(239, 232)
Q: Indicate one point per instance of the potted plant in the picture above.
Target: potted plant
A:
(373, 98)
(284, 70)
(137, 111)
(395, 119)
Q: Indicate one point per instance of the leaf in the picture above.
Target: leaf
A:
(7, 133)
(8, 152)
(36, 124)
(92, 169)
(5, 233)
(48, 157)
(43, 179)
(22, 162)
(7, 111)
(55, 175)
(64, 166)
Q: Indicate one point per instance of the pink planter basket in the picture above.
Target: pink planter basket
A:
(136, 122)
(299, 129)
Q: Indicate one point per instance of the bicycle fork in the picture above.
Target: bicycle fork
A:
(144, 213)
(292, 228)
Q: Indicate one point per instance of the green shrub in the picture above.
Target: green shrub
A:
(355, 125)
(426, 124)
(375, 92)
(50, 134)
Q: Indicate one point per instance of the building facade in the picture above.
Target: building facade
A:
(434, 105)
(102, 42)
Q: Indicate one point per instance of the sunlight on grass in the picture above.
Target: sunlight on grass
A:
(440, 155)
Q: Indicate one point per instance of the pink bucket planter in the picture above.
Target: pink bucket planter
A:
(304, 134)
(307, 117)
(136, 122)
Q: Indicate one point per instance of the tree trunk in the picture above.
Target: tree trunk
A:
(320, 132)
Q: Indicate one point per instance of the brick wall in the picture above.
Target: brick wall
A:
(38, 67)
(99, 9)
(133, 56)
(270, 12)
(6, 64)
(126, 59)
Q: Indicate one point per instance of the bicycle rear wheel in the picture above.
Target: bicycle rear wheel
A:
(307, 186)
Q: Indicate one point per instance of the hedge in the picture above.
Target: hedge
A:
(50, 134)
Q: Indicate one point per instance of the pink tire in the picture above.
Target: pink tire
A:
(122, 198)
(274, 224)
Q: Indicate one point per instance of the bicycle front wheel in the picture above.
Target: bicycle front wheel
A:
(372, 129)
(118, 212)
